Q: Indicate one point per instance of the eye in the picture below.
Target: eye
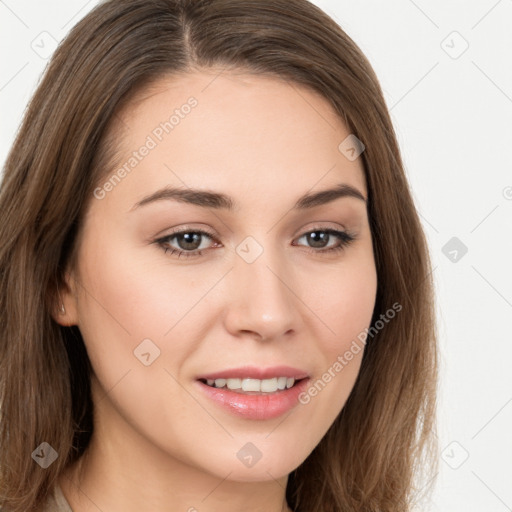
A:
(190, 242)
(320, 238)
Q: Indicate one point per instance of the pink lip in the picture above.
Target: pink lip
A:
(259, 406)
(252, 372)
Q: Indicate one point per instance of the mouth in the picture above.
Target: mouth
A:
(255, 393)
(251, 386)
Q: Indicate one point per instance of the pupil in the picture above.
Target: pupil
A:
(192, 240)
(318, 236)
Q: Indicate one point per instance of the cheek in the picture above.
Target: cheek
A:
(130, 296)
(350, 311)
(344, 301)
(121, 304)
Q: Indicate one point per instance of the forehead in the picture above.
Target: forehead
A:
(232, 130)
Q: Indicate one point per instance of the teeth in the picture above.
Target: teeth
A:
(269, 385)
(251, 385)
(281, 382)
(234, 383)
(263, 386)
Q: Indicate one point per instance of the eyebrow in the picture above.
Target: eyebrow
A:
(217, 200)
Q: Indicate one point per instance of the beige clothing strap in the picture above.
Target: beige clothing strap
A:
(57, 502)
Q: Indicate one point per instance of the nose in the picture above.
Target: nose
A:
(260, 299)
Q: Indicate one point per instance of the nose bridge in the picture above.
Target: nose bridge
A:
(262, 301)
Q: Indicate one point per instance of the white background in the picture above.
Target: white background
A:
(452, 110)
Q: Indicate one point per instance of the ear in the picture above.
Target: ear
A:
(64, 307)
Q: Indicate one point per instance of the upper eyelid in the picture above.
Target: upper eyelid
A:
(317, 227)
(187, 230)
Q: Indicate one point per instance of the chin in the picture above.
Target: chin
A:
(278, 464)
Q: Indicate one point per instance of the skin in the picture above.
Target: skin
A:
(158, 443)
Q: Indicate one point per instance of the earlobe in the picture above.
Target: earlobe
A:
(64, 303)
(60, 315)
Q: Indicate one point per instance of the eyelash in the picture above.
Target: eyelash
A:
(345, 238)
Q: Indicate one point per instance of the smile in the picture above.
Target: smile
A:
(253, 385)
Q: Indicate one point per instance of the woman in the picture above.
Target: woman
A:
(216, 290)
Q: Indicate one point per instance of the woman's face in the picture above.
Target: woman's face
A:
(264, 299)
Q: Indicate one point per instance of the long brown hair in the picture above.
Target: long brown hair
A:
(368, 459)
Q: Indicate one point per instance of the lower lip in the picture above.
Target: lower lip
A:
(256, 407)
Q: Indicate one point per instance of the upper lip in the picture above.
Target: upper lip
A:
(253, 372)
